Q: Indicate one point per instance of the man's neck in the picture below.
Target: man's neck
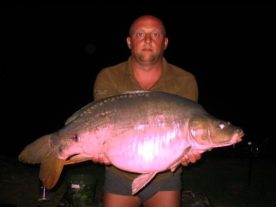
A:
(147, 75)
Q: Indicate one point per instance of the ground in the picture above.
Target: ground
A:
(225, 181)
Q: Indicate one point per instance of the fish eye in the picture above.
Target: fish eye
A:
(222, 125)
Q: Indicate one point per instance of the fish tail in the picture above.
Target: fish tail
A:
(50, 170)
(36, 151)
(40, 151)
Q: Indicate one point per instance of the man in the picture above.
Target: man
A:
(146, 69)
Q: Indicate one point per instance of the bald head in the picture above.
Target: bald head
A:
(147, 20)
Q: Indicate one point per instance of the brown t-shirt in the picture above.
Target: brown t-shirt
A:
(118, 79)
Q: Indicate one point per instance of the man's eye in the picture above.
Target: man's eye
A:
(154, 35)
(140, 35)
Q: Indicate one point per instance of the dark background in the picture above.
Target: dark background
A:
(51, 53)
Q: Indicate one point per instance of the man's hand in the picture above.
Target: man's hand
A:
(191, 157)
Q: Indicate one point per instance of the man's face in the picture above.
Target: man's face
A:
(147, 40)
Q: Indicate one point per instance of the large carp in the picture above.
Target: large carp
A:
(143, 132)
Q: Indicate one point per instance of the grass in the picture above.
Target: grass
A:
(226, 182)
(233, 182)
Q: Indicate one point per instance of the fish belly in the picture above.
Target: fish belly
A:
(146, 151)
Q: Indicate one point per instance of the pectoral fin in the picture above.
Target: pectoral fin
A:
(178, 161)
(142, 180)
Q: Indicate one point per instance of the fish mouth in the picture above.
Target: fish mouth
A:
(238, 136)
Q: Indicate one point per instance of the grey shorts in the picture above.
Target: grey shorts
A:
(120, 185)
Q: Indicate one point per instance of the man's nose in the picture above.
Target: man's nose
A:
(148, 38)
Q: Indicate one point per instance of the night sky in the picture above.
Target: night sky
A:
(51, 53)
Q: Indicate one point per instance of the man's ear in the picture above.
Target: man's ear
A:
(166, 42)
(128, 42)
